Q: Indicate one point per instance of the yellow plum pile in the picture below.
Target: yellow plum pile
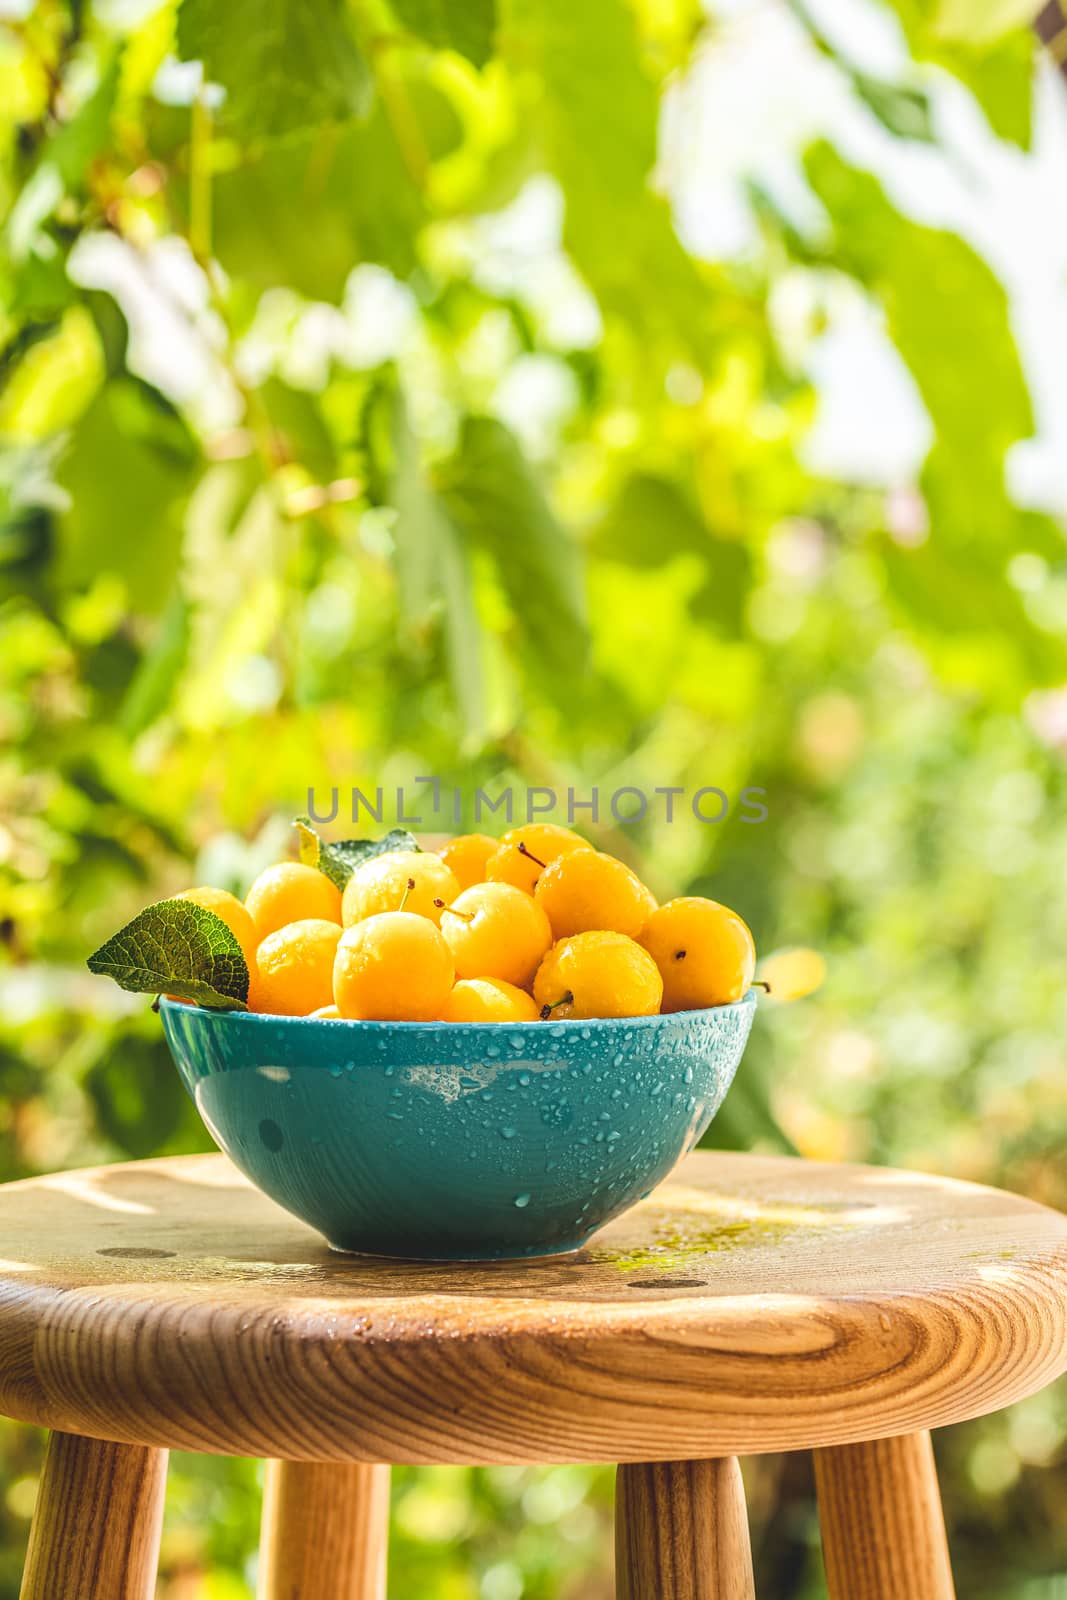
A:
(535, 926)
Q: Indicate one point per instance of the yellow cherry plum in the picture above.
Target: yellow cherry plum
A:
(418, 880)
(524, 853)
(496, 931)
(392, 967)
(467, 855)
(291, 892)
(292, 974)
(705, 953)
(597, 974)
(488, 1000)
(587, 890)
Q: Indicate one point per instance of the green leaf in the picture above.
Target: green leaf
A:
(302, 434)
(82, 139)
(339, 858)
(949, 317)
(176, 947)
(151, 690)
(653, 521)
(467, 26)
(353, 194)
(139, 1101)
(433, 566)
(981, 22)
(1002, 83)
(987, 46)
(495, 499)
(598, 113)
(286, 65)
(128, 470)
(905, 112)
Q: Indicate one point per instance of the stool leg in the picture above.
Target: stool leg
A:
(681, 1532)
(882, 1528)
(325, 1531)
(97, 1521)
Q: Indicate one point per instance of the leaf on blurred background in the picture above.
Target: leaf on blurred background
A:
(494, 497)
(653, 521)
(745, 1120)
(949, 317)
(1002, 81)
(131, 463)
(435, 115)
(981, 22)
(286, 65)
(433, 569)
(354, 196)
(339, 858)
(977, 41)
(467, 27)
(50, 377)
(300, 430)
(80, 140)
(600, 130)
(140, 1103)
(905, 112)
(152, 688)
(178, 948)
(902, 108)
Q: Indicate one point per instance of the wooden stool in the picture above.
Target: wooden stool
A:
(749, 1305)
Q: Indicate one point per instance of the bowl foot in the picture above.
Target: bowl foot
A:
(474, 1257)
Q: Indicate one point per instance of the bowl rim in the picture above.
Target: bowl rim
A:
(559, 1025)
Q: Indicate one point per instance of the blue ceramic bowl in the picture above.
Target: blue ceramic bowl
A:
(456, 1141)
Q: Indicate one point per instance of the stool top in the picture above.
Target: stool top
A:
(751, 1303)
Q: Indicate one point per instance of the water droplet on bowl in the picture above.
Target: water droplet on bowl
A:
(508, 1133)
(522, 1200)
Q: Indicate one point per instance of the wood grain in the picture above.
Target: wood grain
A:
(325, 1531)
(681, 1532)
(96, 1526)
(750, 1304)
(882, 1527)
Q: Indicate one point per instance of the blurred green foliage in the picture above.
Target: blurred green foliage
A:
(363, 417)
